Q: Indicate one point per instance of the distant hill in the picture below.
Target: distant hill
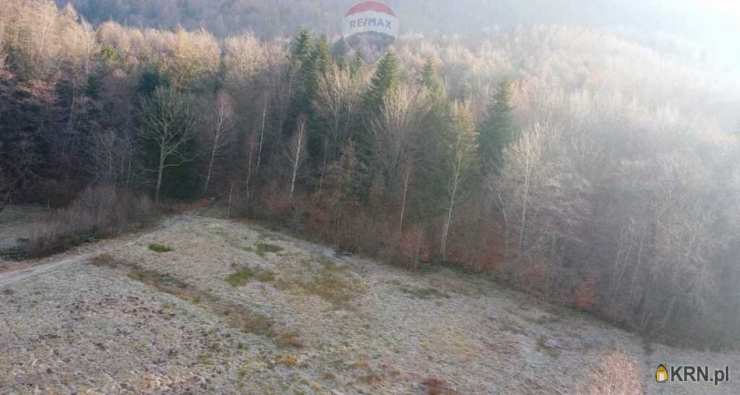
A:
(653, 21)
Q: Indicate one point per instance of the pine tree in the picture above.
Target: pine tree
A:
(355, 66)
(497, 131)
(432, 150)
(322, 55)
(300, 47)
(301, 75)
(383, 82)
(431, 80)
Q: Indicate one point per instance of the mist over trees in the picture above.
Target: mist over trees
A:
(571, 162)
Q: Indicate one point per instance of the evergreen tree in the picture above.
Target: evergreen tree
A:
(431, 80)
(301, 75)
(497, 131)
(322, 55)
(432, 151)
(384, 81)
(355, 66)
(300, 47)
(320, 62)
(149, 81)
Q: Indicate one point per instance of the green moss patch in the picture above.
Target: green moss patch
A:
(424, 293)
(244, 276)
(159, 248)
(328, 282)
(263, 248)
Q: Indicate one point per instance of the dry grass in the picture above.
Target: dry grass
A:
(543, 347)
(330, 283)
(98, 212)
(236, 316)
(617, 374)
(288, 360)
(288, 339)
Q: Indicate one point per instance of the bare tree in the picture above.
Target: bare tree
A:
(168, 122)
(245, 57)
(336, 98)
(462, 163)
(261, 144)
(401, 116)
(220, 132)
(106, 151)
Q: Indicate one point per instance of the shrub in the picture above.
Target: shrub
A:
(98, 212)
(585, 294)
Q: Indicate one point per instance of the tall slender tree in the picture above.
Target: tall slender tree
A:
(461, 166)
(497, 131)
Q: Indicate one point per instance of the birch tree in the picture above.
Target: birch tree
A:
(296, 153)
(462, 162)
(220, 133)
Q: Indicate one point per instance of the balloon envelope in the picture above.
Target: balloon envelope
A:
(369, 28)
(370, 17)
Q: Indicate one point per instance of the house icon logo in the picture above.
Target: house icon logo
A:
(661, 375)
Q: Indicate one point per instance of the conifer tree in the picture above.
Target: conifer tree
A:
(300, 47)
(497, 131)
(355, 66)
(383, 82)
(431, 80)
(432, 149)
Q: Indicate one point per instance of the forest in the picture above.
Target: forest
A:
(571, 162)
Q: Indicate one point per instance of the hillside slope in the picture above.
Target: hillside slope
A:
(235, 308)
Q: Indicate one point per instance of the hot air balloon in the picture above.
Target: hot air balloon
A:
(369, 28)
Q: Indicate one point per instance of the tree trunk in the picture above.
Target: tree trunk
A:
(231, 194)
(297, 158)
(324, 165)
(160, 173)
(406, 179)
(446, 227)
(525, 204)
(210, 166)
(262, 139)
